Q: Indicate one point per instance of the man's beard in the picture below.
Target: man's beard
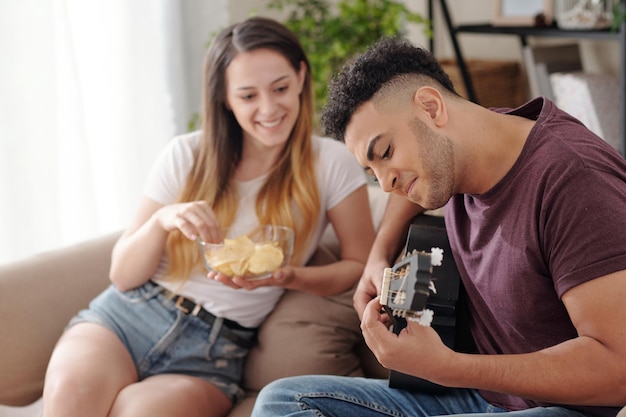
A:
(437, 160)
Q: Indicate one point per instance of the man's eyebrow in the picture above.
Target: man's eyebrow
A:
(370, 147)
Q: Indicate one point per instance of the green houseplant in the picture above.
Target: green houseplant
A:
(619, 15)
(333, 31)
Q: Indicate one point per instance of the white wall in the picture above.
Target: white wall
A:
(201, 18)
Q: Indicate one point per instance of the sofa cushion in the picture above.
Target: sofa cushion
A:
(39, 295)
(306, 334)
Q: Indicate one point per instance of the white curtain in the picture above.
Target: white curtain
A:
(90, 92)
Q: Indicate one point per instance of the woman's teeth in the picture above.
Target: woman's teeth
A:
(270, 124)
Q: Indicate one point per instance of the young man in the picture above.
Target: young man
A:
(535, 209)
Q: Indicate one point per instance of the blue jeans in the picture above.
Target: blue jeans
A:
(162, 339)
(328, 396)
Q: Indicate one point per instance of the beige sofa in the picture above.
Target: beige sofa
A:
(305, 334)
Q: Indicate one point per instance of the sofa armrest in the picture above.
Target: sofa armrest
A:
(38, 296)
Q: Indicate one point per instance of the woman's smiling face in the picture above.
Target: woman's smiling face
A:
(263, 92)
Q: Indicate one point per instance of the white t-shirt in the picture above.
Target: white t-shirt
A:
(338, 175)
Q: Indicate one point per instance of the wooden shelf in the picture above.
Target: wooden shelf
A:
(552, 32)
(522, 32)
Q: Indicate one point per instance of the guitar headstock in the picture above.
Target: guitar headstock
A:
(408, 284)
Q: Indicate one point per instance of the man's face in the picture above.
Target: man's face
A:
(404, 154)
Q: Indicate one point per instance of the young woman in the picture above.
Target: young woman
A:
(166, 338)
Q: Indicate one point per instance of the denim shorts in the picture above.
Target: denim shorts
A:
(161, 339)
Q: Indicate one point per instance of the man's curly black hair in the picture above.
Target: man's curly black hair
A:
(358, 81)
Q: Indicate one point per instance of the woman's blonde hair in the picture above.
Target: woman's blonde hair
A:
(290, 196)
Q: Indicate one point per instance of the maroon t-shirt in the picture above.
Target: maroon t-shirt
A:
(556, 220)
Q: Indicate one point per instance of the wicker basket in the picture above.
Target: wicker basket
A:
(496, 83)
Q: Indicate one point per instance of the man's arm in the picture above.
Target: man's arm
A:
(587, 370)
(390, 237)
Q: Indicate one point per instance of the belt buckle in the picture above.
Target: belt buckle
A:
(179, 305)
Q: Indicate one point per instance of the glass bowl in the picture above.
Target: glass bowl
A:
(253, 252)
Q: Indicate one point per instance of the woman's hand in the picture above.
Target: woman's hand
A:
(138, 251)
(194, 219)
(280, 278)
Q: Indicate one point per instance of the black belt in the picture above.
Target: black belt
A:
(191, 308)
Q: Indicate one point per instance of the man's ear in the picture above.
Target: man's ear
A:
(431, 101)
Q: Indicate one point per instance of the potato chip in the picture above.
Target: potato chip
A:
(233, 250)
(224, 269)
(241, 256)
(266, 257)
(239, 267)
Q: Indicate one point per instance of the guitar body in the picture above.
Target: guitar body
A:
(449, 303)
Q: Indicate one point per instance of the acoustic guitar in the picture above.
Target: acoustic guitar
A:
(425, 286)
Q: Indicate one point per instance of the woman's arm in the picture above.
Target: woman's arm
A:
(352, 222)
(137, 253)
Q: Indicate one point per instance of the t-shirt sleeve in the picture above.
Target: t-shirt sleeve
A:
(588, 240)
(339, 172)
(169, 173)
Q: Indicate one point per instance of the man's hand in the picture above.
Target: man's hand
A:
(417, 350)
(390, 237)
(369, 285)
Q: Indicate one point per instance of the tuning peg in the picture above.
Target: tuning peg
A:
(436, 256)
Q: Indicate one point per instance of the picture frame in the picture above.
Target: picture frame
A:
(521, 12)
